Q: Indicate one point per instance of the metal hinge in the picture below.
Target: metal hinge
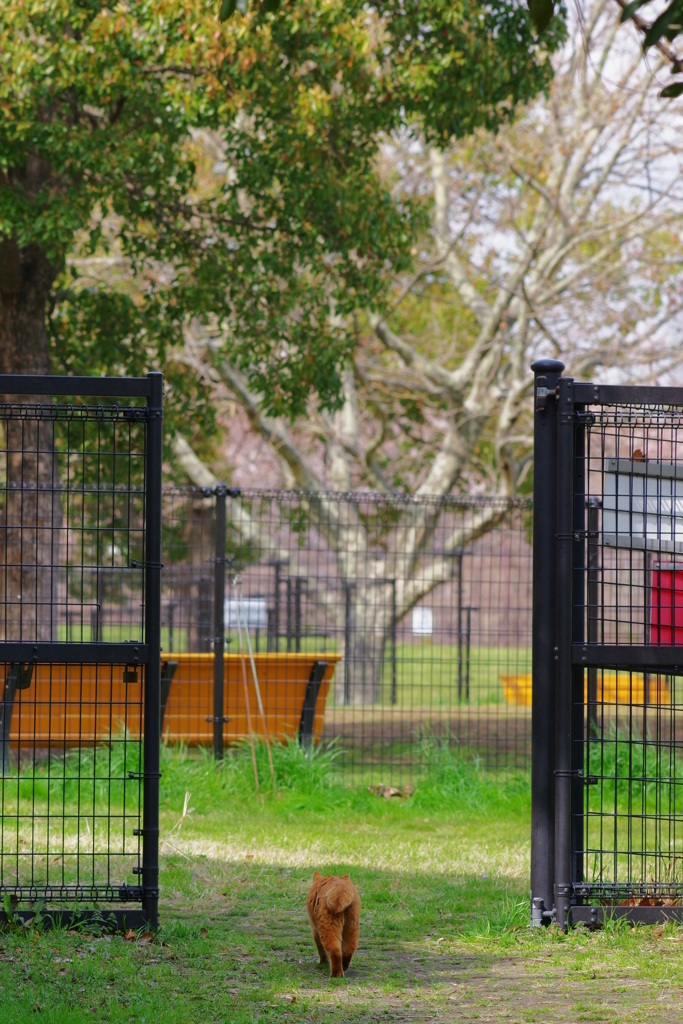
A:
(132, 893)
(543, 392)
(138, 412)
(214, 718)
(576, 773)
(579, 418)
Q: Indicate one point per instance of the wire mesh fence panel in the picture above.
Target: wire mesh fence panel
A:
(633, 813)
(423, 606)
(607, 790)
(77, 560)
(384, 625)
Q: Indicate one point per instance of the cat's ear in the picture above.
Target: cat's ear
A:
(316, 876)
(345, 876)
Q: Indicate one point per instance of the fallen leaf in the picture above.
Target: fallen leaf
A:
(658, 931)
(204, 932)
(288, 999)
(130, 936)
(146, 937)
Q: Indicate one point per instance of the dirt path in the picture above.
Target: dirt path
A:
(445, 981)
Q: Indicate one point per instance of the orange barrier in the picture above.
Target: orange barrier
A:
(70, 705)
(613, 688)
(284, 680)
(67, 705)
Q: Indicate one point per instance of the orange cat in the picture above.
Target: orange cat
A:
(333, 907)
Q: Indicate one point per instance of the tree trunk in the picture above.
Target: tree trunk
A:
(30, 517)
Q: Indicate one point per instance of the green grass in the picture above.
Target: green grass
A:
(444, 883)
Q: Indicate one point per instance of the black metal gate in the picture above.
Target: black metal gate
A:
(607, 700)
(80, 530)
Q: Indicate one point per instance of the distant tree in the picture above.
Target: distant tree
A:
(558, 235)
(658, 28)
(99, 106)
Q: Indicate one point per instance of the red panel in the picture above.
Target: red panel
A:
(666, 618)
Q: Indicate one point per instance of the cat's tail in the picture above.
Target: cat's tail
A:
(339, 896)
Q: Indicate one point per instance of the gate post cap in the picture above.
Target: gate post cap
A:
(547, 366)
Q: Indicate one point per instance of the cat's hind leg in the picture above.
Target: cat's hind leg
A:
(336, 969)
(321, 949)
(350, 935)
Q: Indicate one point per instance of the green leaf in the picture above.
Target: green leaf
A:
(675, 89)
(541, 12)
(659, 27)
(7, 904)
(270, 6)
(227, 9)
(631, 9)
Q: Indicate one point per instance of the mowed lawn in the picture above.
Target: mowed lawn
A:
(443, 877)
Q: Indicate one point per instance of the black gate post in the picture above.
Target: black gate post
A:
(150, 819)
(547, 372)
(564, 630)
(219, 622)
(593, 622)
(578, 598)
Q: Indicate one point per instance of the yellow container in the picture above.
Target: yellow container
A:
(613, 688)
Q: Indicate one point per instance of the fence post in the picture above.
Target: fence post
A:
(347, 642)
(219, 622)
(289, 613)
(459, 556)
(298, 584)
(547, 372)
(276, 609)
(593, 599)
(564, 636)
(394, 694)
(467, 653)
(152, 697)
(578, 601)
